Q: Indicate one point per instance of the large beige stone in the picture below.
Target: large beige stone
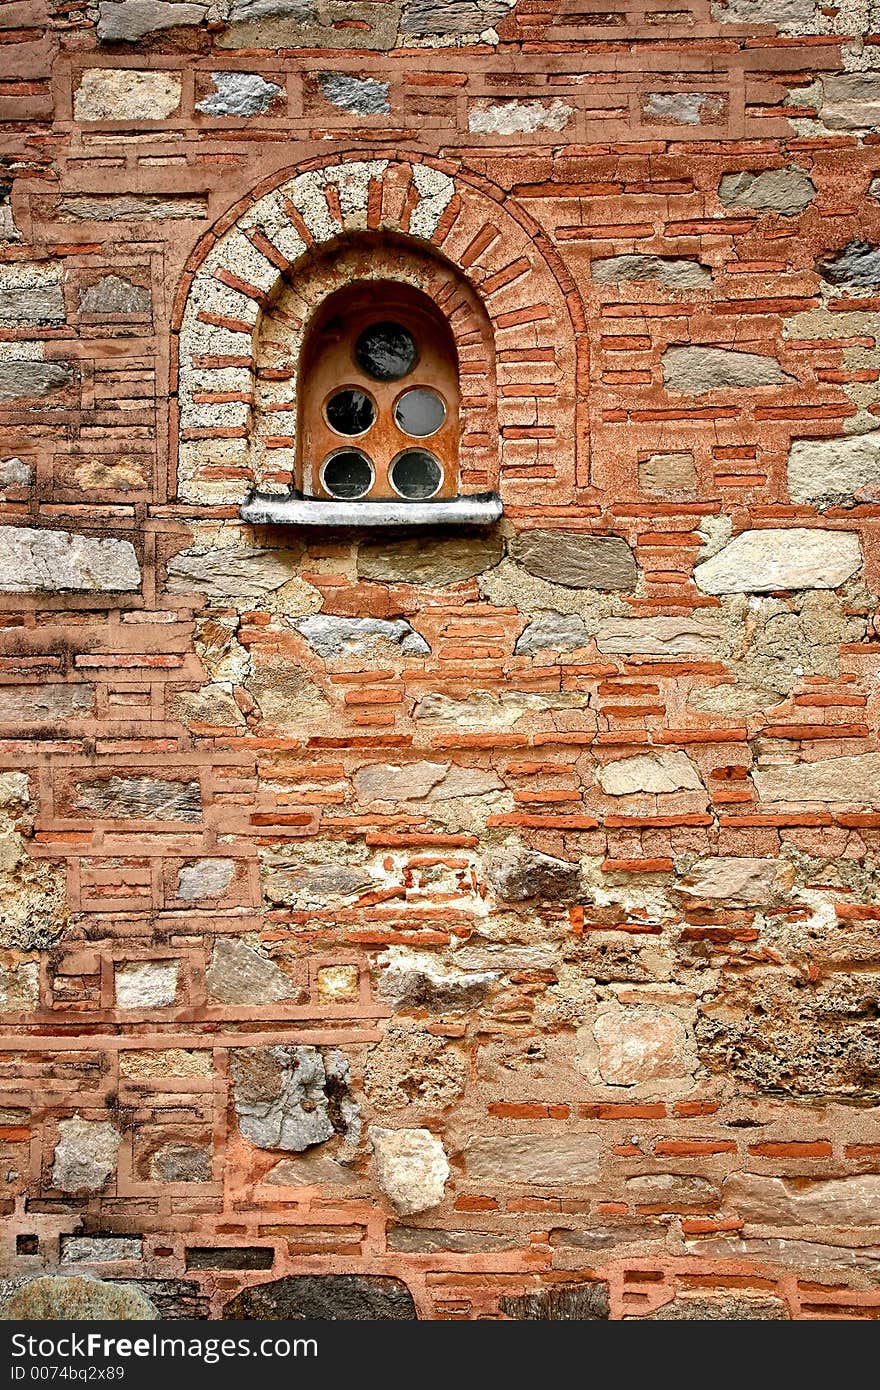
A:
(663, 637)
(430, 563)
(855, 780)
(411, 1166)
(124, 94)
(576, 559)
(34, 560)
(230, 571)
(146, 984)
(669, 475)
(696, 370)
(536, 1160)
(423, 781)
(829, 472)
(771, 1201)
(640, 1045)
(740, 879)
(659, 772)
(795, 557)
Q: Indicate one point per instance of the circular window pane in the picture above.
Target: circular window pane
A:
(386, 351)
(347, 474)
(350, 412)
(416, 474)
(420, 411)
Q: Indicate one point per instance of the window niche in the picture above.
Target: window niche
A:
(360, 416)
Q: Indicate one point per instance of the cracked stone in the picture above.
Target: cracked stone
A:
(659, 772)
(139, 798)
(412, 979)
(636, 1046)
(696, 370)
(126, 21)
(239, 975)
(33, 560)
(854, 780)
(85, 1155)
(794, 557)
(787, 191)
(423, 781)
(557, 632)
(411, 1166)
(682, 273)
(738, 879)
(230, 571)
(663, 637)
(585, 1301)
(772, 1201)
(333, 637)
(362, 96)
(287, 1097)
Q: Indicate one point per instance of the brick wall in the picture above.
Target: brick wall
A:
(489, 912)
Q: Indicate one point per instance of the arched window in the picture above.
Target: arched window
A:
(379, 398)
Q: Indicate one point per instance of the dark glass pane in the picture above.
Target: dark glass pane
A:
(347, 474)
(420, 411)
(416, 474)
(386, 351)
(350, 412)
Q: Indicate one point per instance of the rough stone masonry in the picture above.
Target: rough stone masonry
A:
(468, 924)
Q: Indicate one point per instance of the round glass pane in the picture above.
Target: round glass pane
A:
(416, 474)
(347, 474)
(350, 411)
(386, 351)
(420, 411)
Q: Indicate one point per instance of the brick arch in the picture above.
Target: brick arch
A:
(239, 272)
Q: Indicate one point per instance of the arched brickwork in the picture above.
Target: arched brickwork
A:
(269, 258)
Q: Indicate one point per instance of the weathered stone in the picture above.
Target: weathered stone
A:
(430, 1240)
(19, 987)
(230, 571)
(286, 1097)
(726, 1306)
(659, 772)
(132, 207)
(113, 297)
(576, 559)
(111, 475)
(33, 560)
(664, 637)
(696, 370)
(835, 472)
(585, 1301)
(411, 1166)
(436, 18)
(512, 117)
(124, 94)
(334, 637)
(423, 781)
(760, 562)
(21, 378)
(636, 1046)
(557, 632)
(77, 1298)
(206, 878)
(738, 879)
(679, 273)
(412, 979)
(310, 1170)
(432, 564)
(229, 1257)
(674, 1191)
(520, 875)
(857, 264)
(146, 984)
(139, 798)
(239, 975)
(534, 1160)
(486, 710)
(239, 94)
(45, 704)
(854, 780)
(850, 101)
(312, 885)
(171, 1061)
(210, 707)
(669, 475)
(362, 96)
(787, 191)
(770, 1201)
(178, 1162)
(100, 1249)
(126, 21)
(783, 14)
(30, 294)
(319, 1297)
(410, 1068)
(85, 1155)
(683, 108)
(14, 472)
(796, 1254)
(338, 984)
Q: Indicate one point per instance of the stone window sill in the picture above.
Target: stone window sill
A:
(292, 509)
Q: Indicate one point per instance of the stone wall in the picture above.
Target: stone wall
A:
(466, 925)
